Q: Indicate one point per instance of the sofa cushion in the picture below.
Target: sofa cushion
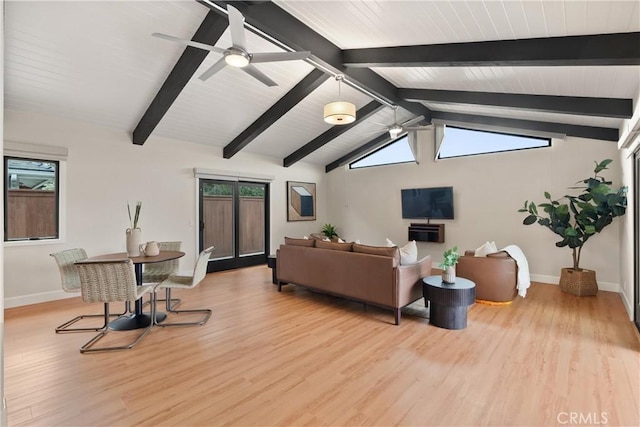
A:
(392, 251)
(333, 246)
(299, 242)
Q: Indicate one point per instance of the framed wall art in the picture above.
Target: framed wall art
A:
(301, 201)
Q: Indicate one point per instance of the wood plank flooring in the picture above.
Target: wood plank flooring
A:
(300, 358)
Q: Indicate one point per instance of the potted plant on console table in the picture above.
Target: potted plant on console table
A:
(330, 231)
(575, 219)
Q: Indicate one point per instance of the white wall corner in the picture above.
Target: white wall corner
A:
(628, 304)
(554, 280)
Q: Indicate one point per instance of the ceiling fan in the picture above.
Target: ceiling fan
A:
(397, 129)
(237, 54)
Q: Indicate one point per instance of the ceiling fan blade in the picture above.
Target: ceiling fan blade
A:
(236, 25)
(254, 72)
(279, 56)
(384, 125)
(189, 43)
(219, 65)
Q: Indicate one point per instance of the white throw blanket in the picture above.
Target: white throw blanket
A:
(523, 280)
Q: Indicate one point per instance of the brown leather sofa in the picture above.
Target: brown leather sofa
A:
(369, 274)
(495, 275)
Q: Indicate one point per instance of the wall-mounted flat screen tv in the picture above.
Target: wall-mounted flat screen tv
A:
(427, 203)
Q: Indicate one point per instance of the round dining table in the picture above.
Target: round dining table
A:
(138, 319)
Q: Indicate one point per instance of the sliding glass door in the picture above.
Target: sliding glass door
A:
(234, 218)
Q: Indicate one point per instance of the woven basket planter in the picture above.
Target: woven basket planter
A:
(581, 283)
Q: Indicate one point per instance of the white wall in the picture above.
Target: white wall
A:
(488, 191)
(105, 170)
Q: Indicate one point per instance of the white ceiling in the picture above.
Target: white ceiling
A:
(97, 62)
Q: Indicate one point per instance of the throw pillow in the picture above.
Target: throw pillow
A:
(333, 246)
(299, 242)
(408, 253)
(487, 248)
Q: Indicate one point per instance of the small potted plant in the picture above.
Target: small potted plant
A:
(330, 231)
(448, 265)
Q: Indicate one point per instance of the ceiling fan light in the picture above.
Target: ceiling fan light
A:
(395, 131)
(340, 113)
(236, 59)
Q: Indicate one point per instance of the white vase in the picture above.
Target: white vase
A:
(134, 238)
(449, 275)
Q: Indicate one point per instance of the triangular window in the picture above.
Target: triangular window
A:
(458, 142)
(397, 151)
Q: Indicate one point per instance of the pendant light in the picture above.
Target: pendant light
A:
(339, 112)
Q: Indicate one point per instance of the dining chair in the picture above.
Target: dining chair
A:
(71, 283)
(107, 282)
(158, 271)
(182, 281)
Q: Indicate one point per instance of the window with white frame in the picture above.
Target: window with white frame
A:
(33, 208)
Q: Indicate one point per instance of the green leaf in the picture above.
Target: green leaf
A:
(529, 220)
(570, 232)
(547, 195)
(590, 229)
(602, 165)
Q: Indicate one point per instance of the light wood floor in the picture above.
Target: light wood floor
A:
(298, 358)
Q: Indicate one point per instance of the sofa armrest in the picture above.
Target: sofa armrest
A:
(409, 281)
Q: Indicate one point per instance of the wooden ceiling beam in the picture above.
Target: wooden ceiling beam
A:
(283, 28)
(592, 132)
(597, 49)
(300, 91)
(578, 105)
(375, 143)
(326, 137)
(209, 32)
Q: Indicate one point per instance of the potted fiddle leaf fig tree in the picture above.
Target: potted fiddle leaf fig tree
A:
(577, 218)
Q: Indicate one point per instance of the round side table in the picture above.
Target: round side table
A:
(449, 301)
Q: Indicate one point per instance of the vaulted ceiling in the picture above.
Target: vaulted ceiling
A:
(563, 66)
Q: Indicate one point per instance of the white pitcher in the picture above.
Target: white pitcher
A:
(150, 248)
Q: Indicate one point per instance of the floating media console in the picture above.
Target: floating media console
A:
(426, 232)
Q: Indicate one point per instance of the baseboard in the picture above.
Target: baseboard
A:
(627, 304)
(38, 298)
(3, 413)
(554, 280)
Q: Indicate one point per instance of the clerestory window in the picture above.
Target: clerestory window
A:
(397, 151)
(458, 142)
